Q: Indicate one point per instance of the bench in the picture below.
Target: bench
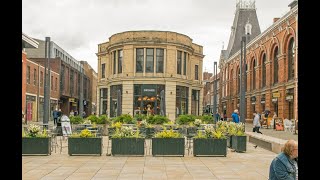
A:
(267, 142)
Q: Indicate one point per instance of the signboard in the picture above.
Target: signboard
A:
(65, 125)
(30, 98)
(276, 95)
(71, 99)
(289, 97)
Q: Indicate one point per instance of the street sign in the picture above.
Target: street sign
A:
(276, 95)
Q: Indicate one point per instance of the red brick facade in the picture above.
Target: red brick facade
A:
(24, 81)
(263, 90)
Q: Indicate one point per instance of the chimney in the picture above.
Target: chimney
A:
(275, 19)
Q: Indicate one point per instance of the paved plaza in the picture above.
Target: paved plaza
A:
(253, 164)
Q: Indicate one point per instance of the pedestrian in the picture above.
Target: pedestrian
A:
(225, 117)
(256, 123)
(285, 165)
(217, 116)
(235, 116)
(55, 116)
(274, 119)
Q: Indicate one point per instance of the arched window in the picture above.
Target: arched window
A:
(238, 81)
(275, 66)
(231, 83)
(291, 59)
(254, 75)
(264, 70)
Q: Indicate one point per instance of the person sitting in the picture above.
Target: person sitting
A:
(285, 165)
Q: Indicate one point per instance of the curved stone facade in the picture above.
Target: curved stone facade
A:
(143, 63)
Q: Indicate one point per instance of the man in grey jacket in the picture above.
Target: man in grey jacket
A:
(256, 123)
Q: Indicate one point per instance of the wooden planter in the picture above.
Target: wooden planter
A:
(209, 147)
(127, 146)
(239, 143)
(84, 146)
(168, 146)
(36, 146)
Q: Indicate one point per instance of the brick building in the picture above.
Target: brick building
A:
(271, 64)
(209, 91)
(35, 91)
(90, 88)
(157, 72)
(70, 71)
(27, 42)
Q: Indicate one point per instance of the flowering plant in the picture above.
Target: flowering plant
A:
(197, 122)
(34, 131)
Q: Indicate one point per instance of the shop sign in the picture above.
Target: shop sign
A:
(74, 104)
(71, 99)
(276, 95)
(289, 97)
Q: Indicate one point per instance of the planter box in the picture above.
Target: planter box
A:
(191, 131)
(84, 146)
(149, 132)
(168, 146)
(36, 145)
(209, 147)
(127, 146)
(239, 143)
(229, 141)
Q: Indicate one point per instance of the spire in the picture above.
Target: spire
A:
(244, 4)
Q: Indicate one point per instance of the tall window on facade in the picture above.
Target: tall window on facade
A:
(291, 54)
(41, 78)
(149, 62)
(35, 77)
(103, 101)
(196, 76)
(62, 78)
(182, 94)
(51, 82)
(254, 75)
(115, 100)
(185, 63)
(28, 74)
(195, 102)
(120, 57)
(275, 66)
(139, 59)
(264, 71)
(160, 60)
(71, 82)
(179, 62)
(238, 81)
(231, 82)
(103, 70)
(114, 62)
(85, 88)
(56, 84)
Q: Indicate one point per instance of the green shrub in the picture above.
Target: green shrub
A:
(185, 119)
(207, 118)
(139, 117)
(160, 119)
(125, 119)
(93, 118)
(103, 119)
(76, 119)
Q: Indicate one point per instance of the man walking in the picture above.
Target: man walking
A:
(55, 116)
(256, 123)
(235, 116)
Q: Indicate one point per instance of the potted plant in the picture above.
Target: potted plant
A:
(168, 143)
(84, 143)
(213, 142)
(36, 142)
(239, 139)
(127, 142)
(112, 129)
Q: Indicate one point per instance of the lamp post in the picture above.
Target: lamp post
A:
(215, 89)
(46, 110)
(81, 92)
(242, 78)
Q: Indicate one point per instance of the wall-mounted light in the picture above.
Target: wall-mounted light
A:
(126, 92)
(171, 92)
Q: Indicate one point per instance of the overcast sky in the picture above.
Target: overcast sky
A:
(78, 26)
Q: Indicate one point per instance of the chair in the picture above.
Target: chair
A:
(287, 125)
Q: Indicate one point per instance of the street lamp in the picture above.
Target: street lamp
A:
(46, 111)
(81, 92)
(243, 78)
(215, 89)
